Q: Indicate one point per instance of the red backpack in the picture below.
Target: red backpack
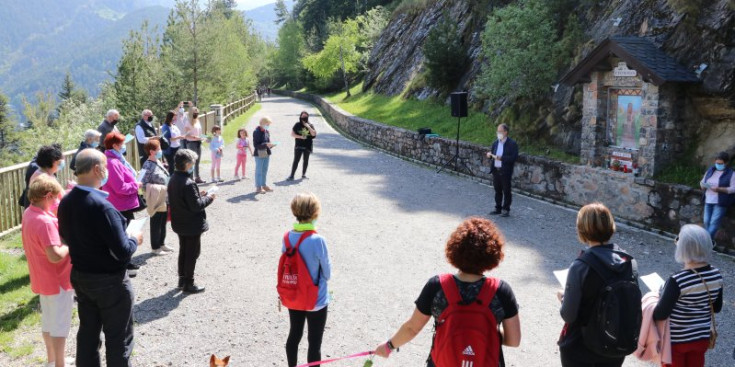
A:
(466, 334)
(296, 289)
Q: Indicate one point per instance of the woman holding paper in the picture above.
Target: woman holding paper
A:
(155, 179)
(595, 228)
(690, 298)
(263, 145)
(121, 183)
(719, 194)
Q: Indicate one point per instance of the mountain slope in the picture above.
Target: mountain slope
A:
(264, 19)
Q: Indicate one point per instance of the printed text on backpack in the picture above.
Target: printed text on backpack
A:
(296, 288)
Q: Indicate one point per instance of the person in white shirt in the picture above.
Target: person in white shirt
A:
(504, 154)
(719, 193)
(194, 137)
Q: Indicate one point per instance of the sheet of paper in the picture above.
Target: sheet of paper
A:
(653, 281)
(129, 138)
(561, 276)
(136, 226)
(212, 190)
(141, 173)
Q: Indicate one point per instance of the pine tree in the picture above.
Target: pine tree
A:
(446, 56)
(67, 88)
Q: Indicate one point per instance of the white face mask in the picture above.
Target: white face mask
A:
(501, 136)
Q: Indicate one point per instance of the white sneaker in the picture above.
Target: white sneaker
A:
(159, 252)
(167, 249)
(237, 178)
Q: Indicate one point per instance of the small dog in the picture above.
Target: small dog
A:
(216, 362)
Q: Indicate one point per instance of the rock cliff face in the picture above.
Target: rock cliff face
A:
(397, 60)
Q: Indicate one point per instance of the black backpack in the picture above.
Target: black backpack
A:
(615, 322)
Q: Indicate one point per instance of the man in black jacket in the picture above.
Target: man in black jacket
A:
(100, 251)
(188, 217)
(504, 154)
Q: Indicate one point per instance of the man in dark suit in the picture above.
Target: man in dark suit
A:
(504, 154)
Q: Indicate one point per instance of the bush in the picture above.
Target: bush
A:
(446, 56)
(519, 44)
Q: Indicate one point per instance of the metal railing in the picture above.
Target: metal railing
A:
(12, 179)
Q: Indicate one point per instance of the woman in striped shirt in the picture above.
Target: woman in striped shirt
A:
(689, 296)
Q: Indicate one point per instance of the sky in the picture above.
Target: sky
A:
(250, 4)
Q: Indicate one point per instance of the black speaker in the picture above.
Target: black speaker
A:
(459, 104)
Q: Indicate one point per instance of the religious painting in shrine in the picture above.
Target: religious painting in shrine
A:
(624, 118)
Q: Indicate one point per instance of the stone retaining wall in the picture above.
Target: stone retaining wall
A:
(642, 202)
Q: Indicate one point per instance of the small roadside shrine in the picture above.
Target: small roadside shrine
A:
(633, 106)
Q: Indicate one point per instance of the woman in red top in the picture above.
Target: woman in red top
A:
(49, 266)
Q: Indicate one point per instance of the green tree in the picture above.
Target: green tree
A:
(282, 13)
(518, 45)
(285, 61)
(446, 56)
(70, 93)
(339, 53)
(8, 133)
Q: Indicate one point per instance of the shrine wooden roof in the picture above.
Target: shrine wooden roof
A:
(651, 63)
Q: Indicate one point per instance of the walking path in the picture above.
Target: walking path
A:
(386, 221)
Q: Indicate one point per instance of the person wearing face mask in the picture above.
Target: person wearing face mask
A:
(194, 137)
(91, 140)
(100, 251)
(155, 181)
(50, 160)
(49, 267)
(719, 194)
(121, 185)
(504, 154)
(144, 131)
(304, 133)
(263, 145)
(171, 132)
(188, 216)
(181, 121)
(107, 126)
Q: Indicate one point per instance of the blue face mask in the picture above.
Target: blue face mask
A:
(62, 164)
(718, 166)
(123, 150)
(159, 154)
(267, 127)
(190, 170)
(95, 144)
(104, 179)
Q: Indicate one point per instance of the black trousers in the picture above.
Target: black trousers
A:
(158, 229)
(189, 249)
(503, 194)
(195, 146)
(569, 359)
(170, 159)
(317, 321)
(297, 153)
(128, 214)
(105, 304)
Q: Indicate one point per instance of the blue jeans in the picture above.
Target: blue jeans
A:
(713, 214)
(261, 170)
(105, 304)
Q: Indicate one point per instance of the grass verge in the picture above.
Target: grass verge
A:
(18, 305)
(412, 114)
(681, 173)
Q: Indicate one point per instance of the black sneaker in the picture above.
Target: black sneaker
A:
(290, 178)
(303, 177)
(495, 212)
(192, 288)
(132, 266)
(506, 213)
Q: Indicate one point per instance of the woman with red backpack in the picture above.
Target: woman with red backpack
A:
(303, 272)
(473, 315)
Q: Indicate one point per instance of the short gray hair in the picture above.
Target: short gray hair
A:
(112, 112)
(694, 244)
(504, 127)
(146, 112)
(92, 134)
(87, 159)
(184, 157)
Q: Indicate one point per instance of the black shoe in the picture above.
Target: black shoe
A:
(132, 273)
(290, 178)
(132, 266)
(303, 177)
(181, 283)
(495, 212)
(193, 288)
(506, 213)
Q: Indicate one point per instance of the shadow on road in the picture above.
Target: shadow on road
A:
(159, 307)
(253, 196)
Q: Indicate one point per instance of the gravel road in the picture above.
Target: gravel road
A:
(386, 221)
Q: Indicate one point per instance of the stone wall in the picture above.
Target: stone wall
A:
(639, 201)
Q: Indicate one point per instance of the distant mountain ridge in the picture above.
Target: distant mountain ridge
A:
(264, 20)
(41, 40)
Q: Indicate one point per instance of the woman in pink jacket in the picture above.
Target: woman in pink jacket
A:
(121, 183)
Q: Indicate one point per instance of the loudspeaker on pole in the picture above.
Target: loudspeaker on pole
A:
(459, 104)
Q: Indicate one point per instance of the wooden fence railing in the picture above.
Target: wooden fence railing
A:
(12, 179)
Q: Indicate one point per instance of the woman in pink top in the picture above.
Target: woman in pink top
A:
(50, 160)
(121, 183)
(49, 266)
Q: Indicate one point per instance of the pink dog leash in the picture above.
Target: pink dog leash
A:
(337, 359)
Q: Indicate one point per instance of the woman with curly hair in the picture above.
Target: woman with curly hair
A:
(475, 247)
